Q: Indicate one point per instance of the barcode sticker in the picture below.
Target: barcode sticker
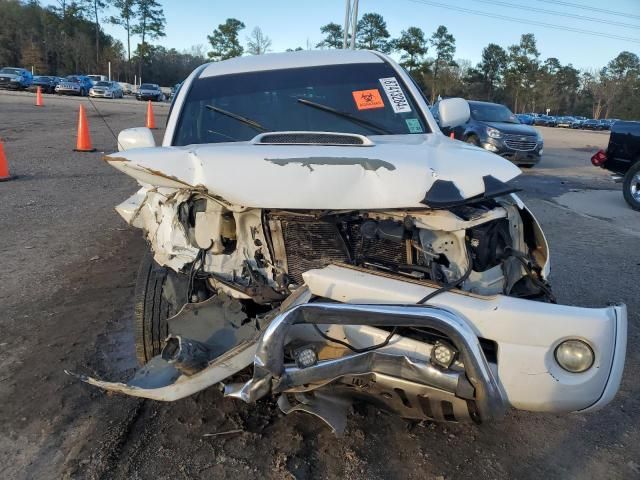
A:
(396, 96)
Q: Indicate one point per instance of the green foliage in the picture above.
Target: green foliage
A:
(492, 67)
(125, 18)
(150, 24)
(413, 45)
(54, 41)
(334, 36)
(93, 9)
(522, 70)
(445, 46)
(224, 41)
(169, 66)
(372, 33)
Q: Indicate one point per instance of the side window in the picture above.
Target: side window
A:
(435, 112)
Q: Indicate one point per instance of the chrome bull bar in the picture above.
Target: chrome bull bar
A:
(271, 376)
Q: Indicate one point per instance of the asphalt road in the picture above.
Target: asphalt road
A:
(67, 271)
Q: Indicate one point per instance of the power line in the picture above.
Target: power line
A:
(529, 22)
(561, 14)
(593, 9)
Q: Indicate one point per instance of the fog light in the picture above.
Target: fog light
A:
(490, 147)
(305, 357)
(443, 355)
(574, 356)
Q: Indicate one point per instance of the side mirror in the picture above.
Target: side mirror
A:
(453, 112)
(140, 137)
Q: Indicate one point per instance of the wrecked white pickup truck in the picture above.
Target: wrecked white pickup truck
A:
(314, 236)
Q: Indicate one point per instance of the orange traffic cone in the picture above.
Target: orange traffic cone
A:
(4, 166)
(39, 102)
(151, 122)
(84, 139)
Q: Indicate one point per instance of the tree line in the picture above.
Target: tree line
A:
(516, 76)
(68, 38)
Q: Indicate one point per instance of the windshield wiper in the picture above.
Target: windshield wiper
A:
(348, 116)
(240, 118)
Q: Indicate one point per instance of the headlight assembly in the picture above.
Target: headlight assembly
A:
(494, 133)
(574, 356)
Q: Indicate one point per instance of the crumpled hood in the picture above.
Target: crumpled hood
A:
(400, 171)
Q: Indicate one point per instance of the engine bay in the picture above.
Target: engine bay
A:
(486, 248)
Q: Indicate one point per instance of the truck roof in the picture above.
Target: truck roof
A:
(277, 61)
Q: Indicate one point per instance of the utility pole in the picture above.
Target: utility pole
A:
(354, 24)
(347, 15)
(350, 23)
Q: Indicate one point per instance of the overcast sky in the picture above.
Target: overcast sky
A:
(293, 23)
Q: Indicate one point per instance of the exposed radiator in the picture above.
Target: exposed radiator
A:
(311, 243)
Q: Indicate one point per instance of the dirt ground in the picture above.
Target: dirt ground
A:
(67, 272)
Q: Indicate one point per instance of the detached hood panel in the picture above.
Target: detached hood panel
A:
(406, 171)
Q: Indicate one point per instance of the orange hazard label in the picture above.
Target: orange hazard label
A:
(366, 99)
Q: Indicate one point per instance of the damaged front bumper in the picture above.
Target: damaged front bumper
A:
(401, 375)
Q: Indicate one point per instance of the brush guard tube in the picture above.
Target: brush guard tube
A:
(271, 376)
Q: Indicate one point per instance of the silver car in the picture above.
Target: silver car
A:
(106, 90)
(74, 85)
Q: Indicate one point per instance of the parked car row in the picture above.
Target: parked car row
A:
(576, 122)
(82, 85)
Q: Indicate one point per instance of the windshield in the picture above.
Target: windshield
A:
(72, 79)
(12, 71)
(103, 84)
(148, 86)
(492, 112)
(299, 99)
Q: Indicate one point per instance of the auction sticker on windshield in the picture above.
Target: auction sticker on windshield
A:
(399, 102)
(366, 99)
(413, 124)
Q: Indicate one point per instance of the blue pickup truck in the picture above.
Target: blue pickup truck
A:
(15, 78)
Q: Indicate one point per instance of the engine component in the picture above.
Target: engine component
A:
(311, 243)
(488, 243)
(385, 229)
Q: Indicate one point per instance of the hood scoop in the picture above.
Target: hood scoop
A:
(312, 138)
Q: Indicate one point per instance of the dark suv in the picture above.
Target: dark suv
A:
(622, 158)
(495, 128)
(149, 91)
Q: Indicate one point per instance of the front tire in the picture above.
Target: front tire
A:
(631, 186)
(473, 140)
(156, 299)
